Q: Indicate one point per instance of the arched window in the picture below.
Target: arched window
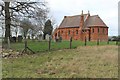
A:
(103, 30)
(98, 30)
(55, 34)
(76, 31)
(62, 32)
(93, 30)
(68, 32)
(59, 33)
(106, 31)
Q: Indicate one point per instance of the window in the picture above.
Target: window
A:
(83, 31)
(103, 30)
(98, 30)
(93, 30)
(68, 32)
(62, 32)
(56, 35)
(59, 33)
(76, 31)
(107, 31)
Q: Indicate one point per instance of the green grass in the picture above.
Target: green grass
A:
(43, 45)
(82, 62)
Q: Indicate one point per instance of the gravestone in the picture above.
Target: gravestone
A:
(47, 37)
(40, 37)
(13, 39)
(20, 38)
(28, 37)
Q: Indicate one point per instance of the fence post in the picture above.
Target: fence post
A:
(85, 41)
(25, 45)
(97, 41)
(49, 42)
(108, 42)
(70, 42)
(116, 42)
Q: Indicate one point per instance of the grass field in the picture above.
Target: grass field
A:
(43, 46)
(82, 62)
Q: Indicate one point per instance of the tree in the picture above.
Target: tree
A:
(11, 10)
(47, 28)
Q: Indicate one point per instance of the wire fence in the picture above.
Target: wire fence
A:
(51, 45)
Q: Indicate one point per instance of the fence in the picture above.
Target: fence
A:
(40, 46)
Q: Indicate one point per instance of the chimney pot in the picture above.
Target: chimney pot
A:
(65, 16)
(82, 12)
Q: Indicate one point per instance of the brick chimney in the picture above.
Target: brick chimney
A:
(81, 20)
(88, 13)
(81, 25)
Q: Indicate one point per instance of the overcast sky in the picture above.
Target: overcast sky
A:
(106, 9)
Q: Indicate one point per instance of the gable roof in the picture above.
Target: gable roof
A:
(74, 21)
(94, 21)
(71, 21)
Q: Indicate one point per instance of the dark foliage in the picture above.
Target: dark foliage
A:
(48, 28)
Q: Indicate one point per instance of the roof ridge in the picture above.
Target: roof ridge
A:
(74, 15)
(94, 15)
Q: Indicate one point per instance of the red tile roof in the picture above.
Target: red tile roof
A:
(95, 21)
(71, 21)
(74, 21)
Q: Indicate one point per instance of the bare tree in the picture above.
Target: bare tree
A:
(10, 10)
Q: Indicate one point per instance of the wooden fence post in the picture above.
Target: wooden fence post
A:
(85, 41)
(108, 42)
(25, 45)
(70, 42)
(97, 41)
(49, 42)
(116, 42)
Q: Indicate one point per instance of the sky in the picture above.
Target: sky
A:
(106, 9)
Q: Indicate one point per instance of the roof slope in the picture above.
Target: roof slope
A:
(71, 21)
(74, 21)
(95, 21)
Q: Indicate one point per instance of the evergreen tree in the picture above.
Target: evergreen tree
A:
(48, 28)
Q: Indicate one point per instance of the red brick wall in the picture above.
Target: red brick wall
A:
(64, 33)
(102, 35)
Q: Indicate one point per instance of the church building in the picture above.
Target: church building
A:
(81, 27)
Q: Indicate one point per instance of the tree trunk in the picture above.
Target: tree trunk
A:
(7, 22)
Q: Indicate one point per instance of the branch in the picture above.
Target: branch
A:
(2, 9)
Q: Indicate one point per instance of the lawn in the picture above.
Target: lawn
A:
(81, 62)
(43, 45)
